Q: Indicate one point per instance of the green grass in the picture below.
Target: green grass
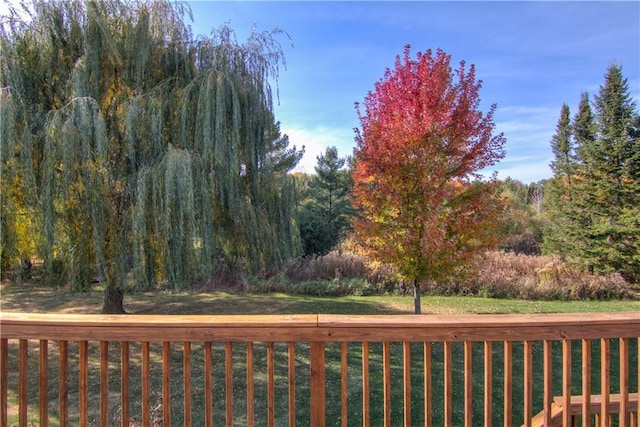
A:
(31, 298)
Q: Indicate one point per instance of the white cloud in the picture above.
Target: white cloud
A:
(316, 140)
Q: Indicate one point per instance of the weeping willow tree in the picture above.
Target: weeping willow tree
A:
(144, 155)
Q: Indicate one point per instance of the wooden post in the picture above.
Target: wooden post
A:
(317, 387)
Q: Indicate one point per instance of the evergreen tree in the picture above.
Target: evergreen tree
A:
(324, 216)
(145, 155)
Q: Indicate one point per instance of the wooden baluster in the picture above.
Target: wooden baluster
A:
(566, 382)
(23, 353)
(104, 383)
(4, 402)
(605, 354)
(186, 375)
(166, 384)
(406, 374)
(228, 381)
(271, 393)
(145, 379)
(547, 380)
(84, 382)
(624, 381)
(292, 384)
(508, 382)
(365, 384)
(63, 391)
(43, 369)
(448, 385)
(586, 383)
(250, 387)
(468, 383)
(208, 386)
(124, 382)
(427, 383)
(317, 386)
(488, 383)
(386, 382)
(528, 383)
(344, 383)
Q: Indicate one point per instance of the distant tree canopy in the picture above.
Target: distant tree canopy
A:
(421, 205)
(326, 210)
(135, 153)
(593, 200)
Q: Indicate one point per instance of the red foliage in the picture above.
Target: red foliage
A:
(416, 176)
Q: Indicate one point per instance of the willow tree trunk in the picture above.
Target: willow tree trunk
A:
(416, 297)
(113, 300)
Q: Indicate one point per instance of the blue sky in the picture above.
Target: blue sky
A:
(531, 56)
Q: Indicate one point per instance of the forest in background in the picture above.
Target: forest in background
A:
(138, 157)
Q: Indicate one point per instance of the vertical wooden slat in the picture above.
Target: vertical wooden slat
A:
(104, 383)
(528, 382)
(228, 382)
(624, 381)
(208, 386)
(488, 383)
(344, 383)
(317, 388)
(386, 382)
(84, 382)
(586, 383)
(124, 382)
(186, 375)
(250, 387)
(4, 403)
(406, 374)
(145, 379)
(43, 370)
(271, 389)
(292, 384)
(365, 384)
(23, 353)
(508, 382)
(566, 382)
(166, 384)
(63, 390)
(468, 383)
(547, 368)
(448, 386)
(427, 383)
(605, 354)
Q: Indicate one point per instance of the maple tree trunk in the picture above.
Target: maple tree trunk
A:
(416, 297)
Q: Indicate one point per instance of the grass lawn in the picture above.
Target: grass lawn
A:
(31, 298)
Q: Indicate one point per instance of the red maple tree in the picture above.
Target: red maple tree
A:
(423, 205)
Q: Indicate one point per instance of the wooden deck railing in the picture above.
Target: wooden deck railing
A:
(317, 369)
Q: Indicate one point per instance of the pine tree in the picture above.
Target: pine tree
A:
(148, 154)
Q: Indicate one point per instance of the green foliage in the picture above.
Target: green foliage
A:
(594, 200)
(521, 228)
(144, 154)
(326, 210)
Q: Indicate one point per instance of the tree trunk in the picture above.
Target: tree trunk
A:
(416, 297)
(113, 300)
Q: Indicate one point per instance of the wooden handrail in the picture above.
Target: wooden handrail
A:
(369, 334)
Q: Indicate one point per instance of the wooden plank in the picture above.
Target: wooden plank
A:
(271, 387)
(63, 390)
(124, 383)
(468, 384)
(488, 383)
(427, 375)
(43, 373)
(104, 383)
(586, 382)
(145, 378)
(228, 383)
(596, 403)
(605, 383)
(528, 383)
(344, 383)
(508, 383)
(566, 380)
(166, 384)
(250, 386)
(386, 382)
(23, 354)
(406, 380)
(292, 384)
(365, 385)
(317, 384)
(4, 402)
(448, 385)
(186, 375)
(208, 386)
(83, 371)
(547, 368)
(624, 382)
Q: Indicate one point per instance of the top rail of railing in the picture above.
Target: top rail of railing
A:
(318, 327)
